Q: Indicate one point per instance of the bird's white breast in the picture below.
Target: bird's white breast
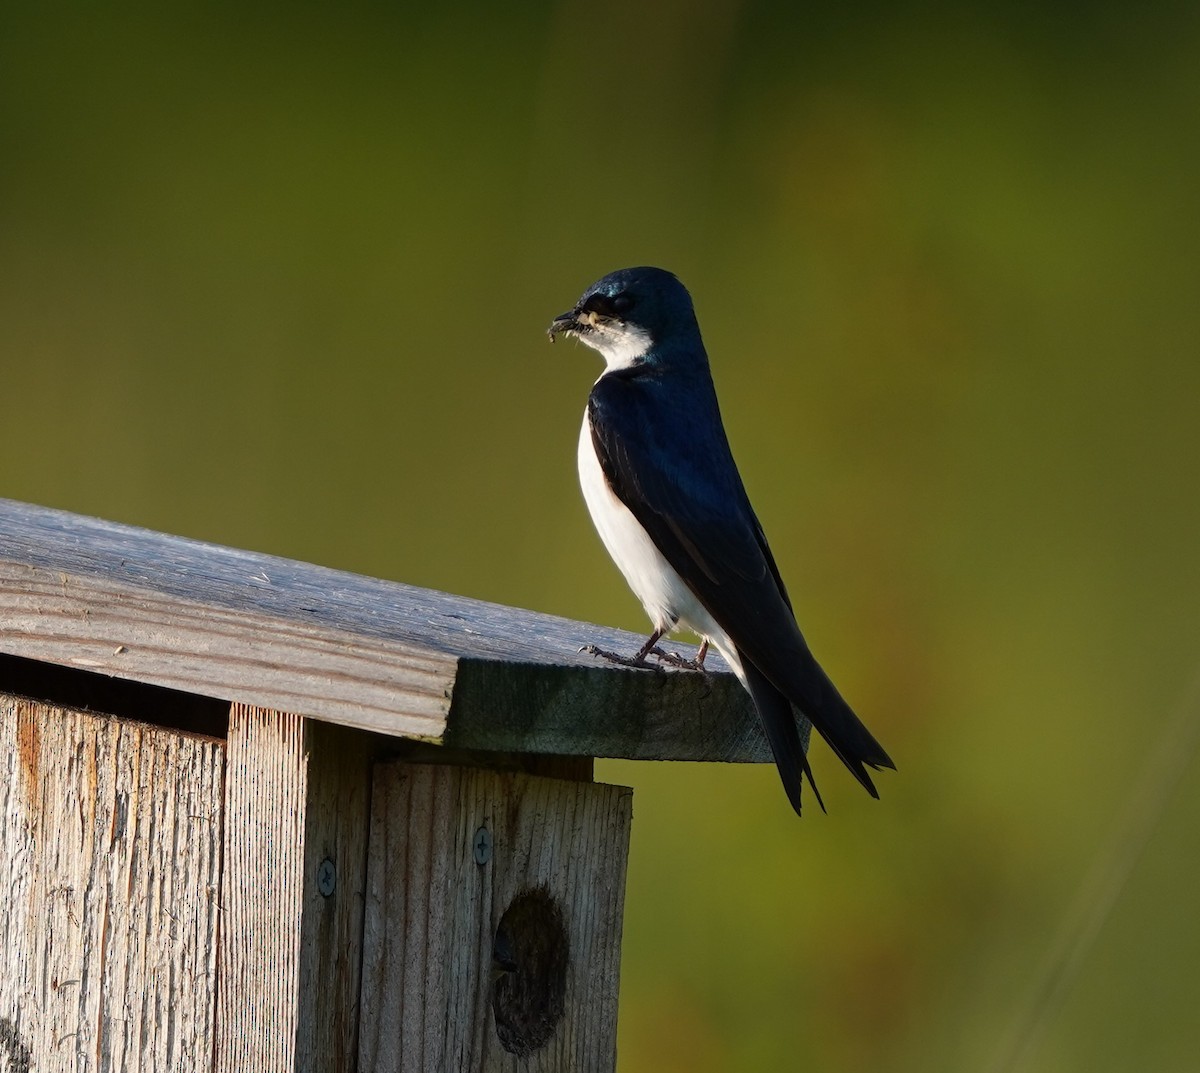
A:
(667, 600)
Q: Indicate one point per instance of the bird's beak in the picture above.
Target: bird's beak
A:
(563, 323)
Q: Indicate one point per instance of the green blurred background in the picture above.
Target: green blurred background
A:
(279, 278)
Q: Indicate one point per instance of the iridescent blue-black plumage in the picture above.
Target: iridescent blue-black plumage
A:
(659, 440)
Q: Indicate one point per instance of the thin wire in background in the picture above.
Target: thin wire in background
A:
(1162, 771)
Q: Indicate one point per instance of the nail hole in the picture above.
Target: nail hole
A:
(529, 966)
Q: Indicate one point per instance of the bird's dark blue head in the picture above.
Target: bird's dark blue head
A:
(631, 314)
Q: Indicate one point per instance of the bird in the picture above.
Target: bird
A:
(665, 495)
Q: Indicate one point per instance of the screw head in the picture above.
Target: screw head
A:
(326, 877)
(482, 845)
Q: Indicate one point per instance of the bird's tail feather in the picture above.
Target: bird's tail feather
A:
(817, 698)
(779, 723)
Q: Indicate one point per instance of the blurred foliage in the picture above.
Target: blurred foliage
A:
(278, 277)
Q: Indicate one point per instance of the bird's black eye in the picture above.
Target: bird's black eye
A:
(616, 306)
(623, 303)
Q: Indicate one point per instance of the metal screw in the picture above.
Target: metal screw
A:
(483, 845)
(326, 877)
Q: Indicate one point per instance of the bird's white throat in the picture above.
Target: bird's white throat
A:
(620, 344)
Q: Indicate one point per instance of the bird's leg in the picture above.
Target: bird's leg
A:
(676, 660)
(628, 661)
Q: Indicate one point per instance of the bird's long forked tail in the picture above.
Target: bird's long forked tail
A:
(853, 744)
(818, 699)
(779, 725)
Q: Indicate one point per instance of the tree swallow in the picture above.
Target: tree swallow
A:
(666, 497)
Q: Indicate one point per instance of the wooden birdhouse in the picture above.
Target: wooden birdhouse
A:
(257, 815)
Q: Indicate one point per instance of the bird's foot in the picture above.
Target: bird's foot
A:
(682, 662)
(674, 659)
(639, 661)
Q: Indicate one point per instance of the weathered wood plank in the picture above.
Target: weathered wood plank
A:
(297, 799)
(266, 790)
(337, 821)
(637, 715)
(343, 648)
(111, 836)
(553, 856)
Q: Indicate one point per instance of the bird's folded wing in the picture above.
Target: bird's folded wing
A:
(687, 495)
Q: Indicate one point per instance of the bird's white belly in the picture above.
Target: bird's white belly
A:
(667, 600)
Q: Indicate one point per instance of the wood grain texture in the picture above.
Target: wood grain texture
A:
(110, 834)
(266, 789)
(432, 913)
(337, 819)
(338, 647)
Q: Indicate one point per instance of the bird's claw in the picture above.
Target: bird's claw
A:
(682, 662)
(615, 657)
(673, 659)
